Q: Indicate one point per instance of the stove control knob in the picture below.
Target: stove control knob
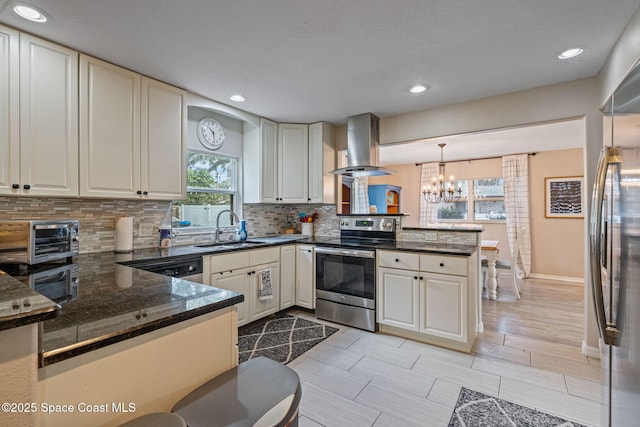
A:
(344, 223)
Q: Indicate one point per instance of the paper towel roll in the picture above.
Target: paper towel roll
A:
(124, 235)
(124, 276)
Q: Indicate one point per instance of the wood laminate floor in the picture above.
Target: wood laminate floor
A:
(358, 378)
(548, 310)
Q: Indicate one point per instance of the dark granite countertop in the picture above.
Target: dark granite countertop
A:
(115, 302)
(450, 227)
(20, 305)
(430, 247)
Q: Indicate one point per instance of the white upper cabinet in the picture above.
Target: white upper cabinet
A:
(322, 160)
(269, 152)
(38, 117)
(293, 149)
(132, 134)
(109, 130)
(163, 128)
(9, 111)
(289, 163)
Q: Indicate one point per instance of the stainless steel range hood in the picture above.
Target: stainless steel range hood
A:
(363, 134)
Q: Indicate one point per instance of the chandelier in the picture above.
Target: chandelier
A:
(439, 191)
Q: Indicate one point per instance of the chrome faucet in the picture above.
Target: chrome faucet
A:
(218, 229)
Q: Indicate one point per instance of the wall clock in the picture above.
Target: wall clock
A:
(210, 133)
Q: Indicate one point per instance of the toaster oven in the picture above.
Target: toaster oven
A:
(38, 241)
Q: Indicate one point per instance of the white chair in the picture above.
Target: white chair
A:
(507, 265)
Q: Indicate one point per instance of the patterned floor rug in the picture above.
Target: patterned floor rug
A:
(282, 337)
(475, 409)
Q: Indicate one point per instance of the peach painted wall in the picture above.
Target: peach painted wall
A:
(557, 244)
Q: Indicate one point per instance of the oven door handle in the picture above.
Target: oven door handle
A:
(346, 252)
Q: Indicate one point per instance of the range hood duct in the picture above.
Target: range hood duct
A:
(363, 147)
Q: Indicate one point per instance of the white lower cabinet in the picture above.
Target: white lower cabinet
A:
(261, 308)
(427, 295)
(239, 272)
(287, 276)
(237, 281)
(398, 296)
(443, 306)
(305, 280)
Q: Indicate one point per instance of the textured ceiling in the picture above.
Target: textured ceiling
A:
(311, 60)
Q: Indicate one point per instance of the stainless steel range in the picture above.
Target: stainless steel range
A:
(346, 271)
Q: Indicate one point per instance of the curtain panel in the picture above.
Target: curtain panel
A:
(515, 174)
(428, 211)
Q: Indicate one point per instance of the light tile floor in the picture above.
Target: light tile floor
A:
(358, 378)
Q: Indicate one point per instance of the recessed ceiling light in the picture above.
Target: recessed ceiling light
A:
(237, 98)
(30, 13)
(418, 89)
(570, 53)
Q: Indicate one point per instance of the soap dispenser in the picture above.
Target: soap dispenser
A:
(242, 232)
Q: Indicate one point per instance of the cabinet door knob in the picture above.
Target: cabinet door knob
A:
(15, 186)
(442, 264)
(145, 193)
(397, 260)
(415, 277)
(308, 199)
(138, 192)
(421, 278)
(26, 186)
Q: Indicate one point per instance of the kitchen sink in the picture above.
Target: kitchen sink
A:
(229, 244)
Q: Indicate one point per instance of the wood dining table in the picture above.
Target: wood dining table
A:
(490, 249)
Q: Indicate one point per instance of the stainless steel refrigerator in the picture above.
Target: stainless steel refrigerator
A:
(615, 255)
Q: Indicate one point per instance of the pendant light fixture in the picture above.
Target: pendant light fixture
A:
(439, 190)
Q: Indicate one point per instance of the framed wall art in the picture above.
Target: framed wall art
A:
(563, 197)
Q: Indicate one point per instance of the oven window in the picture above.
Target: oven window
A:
(346, 275)
(52, 240)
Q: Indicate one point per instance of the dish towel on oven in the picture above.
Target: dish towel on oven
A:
(265, 291)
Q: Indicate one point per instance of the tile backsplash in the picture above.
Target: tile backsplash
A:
(98, 218)
(272, 219)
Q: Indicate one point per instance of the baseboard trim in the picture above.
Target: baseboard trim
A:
(592, 352)
(560, 278)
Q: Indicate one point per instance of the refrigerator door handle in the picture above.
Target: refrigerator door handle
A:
(608, 156)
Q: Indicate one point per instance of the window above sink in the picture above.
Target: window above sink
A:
(212, 186)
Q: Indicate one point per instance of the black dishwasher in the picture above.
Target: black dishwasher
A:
(184, 268)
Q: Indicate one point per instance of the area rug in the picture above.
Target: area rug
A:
(282, 337)
(475, 409)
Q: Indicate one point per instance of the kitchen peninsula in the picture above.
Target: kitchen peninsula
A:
(132, 336)
(125, 341)
(429, 288)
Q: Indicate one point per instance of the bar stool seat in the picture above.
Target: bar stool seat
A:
(156, 419)
(258, 392)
